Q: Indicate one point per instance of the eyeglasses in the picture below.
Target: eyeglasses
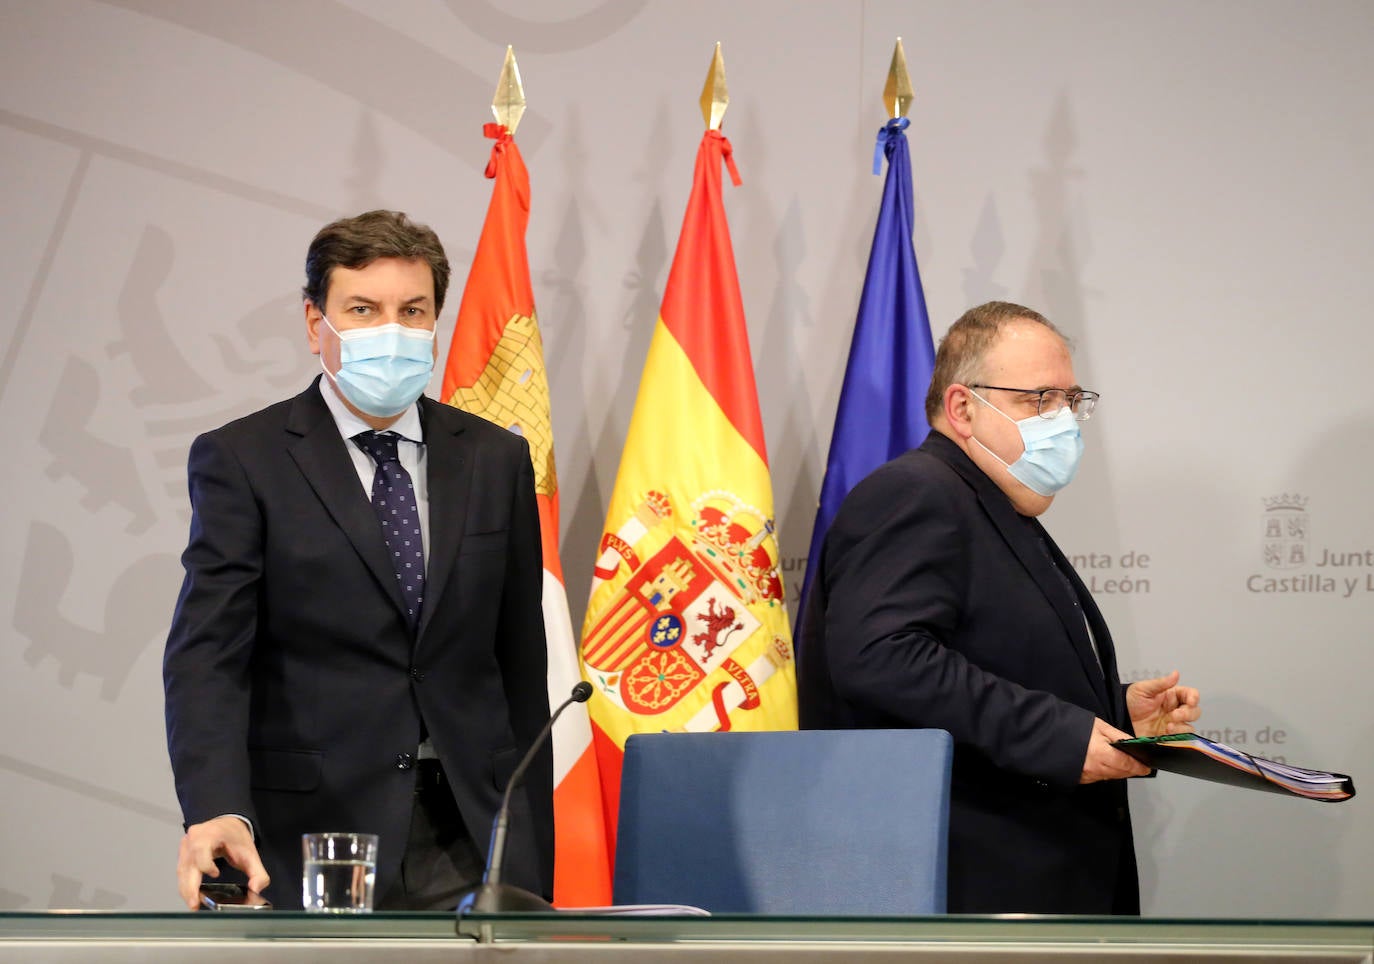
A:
(1049, 402)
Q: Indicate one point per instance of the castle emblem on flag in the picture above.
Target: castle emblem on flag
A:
(685, 609)
(513, 390)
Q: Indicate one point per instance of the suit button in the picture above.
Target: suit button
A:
(417, 674)
(404, 761)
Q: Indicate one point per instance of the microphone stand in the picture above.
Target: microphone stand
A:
(493, 896)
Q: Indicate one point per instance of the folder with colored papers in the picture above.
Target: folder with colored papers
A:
(1197, 756)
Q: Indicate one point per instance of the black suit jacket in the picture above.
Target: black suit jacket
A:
(937, 605)
(294, 688)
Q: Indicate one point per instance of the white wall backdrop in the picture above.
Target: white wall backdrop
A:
(1184, 187)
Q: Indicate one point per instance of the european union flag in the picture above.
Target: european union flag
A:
(882, 402)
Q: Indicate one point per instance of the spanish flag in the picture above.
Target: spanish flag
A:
(495, 369)
(686, 627)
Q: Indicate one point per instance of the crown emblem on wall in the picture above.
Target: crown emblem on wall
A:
(736, 539)
(1285, 501)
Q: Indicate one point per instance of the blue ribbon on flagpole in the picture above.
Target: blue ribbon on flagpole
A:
(890, 130)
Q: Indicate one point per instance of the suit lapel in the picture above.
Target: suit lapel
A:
(1105, 650)
(1063, 594)
(449, 468)
(1037, 560)
(319, 452)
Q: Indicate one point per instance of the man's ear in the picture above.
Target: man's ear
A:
(312, 326)
(959, 402)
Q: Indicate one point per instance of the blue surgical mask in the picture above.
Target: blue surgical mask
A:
(384, 369)
(1053, 448)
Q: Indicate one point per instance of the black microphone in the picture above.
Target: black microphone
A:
(494, 897)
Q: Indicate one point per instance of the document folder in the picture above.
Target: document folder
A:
(1196, 756)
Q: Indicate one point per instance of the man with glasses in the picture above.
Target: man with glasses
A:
(942, 602)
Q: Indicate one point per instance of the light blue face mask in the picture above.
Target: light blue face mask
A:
(382, 370)
(1054, 447)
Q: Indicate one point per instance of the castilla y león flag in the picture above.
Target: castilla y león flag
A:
(495, 369)
(686, 626)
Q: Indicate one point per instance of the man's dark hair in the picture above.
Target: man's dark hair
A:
(357, 242)
(959, 360)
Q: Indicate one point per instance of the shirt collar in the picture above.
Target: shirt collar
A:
(408, 426)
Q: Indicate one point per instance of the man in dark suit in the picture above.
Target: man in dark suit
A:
(358, 644)
(941, 602)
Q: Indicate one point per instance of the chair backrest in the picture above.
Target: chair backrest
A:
(813, 822)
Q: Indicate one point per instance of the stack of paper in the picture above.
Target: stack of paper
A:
(1197, 756)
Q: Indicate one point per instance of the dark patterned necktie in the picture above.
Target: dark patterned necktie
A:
(393, 498)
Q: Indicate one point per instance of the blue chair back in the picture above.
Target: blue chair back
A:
(815, 822)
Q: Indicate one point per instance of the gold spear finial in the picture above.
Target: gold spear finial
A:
(714, 95)
(897, 92)
(508, 104)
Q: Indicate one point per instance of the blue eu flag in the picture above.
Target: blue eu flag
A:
(882, 403)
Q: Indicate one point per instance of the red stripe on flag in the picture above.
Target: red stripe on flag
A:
(581, 840)
(548, 533)
(502, 265)
(702, 306)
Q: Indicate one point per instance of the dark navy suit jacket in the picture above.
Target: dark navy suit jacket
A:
(937, 605)
(294, 687)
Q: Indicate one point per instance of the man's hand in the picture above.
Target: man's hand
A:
(226, 837)
(1160, 706)
(1104, 761)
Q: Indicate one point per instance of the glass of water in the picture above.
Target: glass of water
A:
(339, 871)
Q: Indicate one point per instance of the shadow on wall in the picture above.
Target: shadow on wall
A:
(1057, 286)
(779, 319)
(794, 456)
(986, 248)
(364, 183)
(564, 323)
(616, 392)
